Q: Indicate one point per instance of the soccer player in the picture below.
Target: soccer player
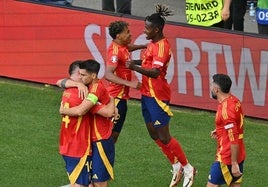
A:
(229, 132)
(75, 139)
(74, 142)
(156, 96)
(101, 127)
(118, 75)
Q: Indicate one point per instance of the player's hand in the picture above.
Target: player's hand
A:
(225, 14)
(130, 64)
(61, 108)
(116, 116)
(138, 86)
(213, 134)
(134, 84)
(235, 170)
(82, 90)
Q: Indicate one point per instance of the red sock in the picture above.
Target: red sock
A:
(175, 148)
(170, 156)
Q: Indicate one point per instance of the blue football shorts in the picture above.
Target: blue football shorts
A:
(153, 113)
(221, 174)
(121, 104)
(103, 153)
(84, 177)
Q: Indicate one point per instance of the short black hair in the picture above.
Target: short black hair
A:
(223, 81)
(90, 65)
(73, 66)
(117, 27)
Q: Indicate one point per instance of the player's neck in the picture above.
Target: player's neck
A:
(158, 38)
(223, 96)
(118, 42)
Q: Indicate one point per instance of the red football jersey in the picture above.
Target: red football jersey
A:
(75, 131)
(229, 129)
(157, 55)
(101, 126)
(117, 57)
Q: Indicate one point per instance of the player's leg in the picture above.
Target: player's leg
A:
(78, 170)
(121, 105)
(212, 185)
(101, 184)
(216, 178)
(235, 185)
(174, 147)
(103, 154)
(145, 104)
(157, 125)
(161, 120)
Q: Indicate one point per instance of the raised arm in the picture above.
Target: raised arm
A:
(226, 10)
(153, 73)
(68, 83)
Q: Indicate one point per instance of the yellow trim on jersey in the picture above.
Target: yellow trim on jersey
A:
(115, 49)
(96, 129)
(78, 123)
(105, 160)
(161, 48)
(224, 110)
(116, 101)
(94, 87)
(121, 93)
(241, 120)
(231, 135)
(163, 105)
(218, 153)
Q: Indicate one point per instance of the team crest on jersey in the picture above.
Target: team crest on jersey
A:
(114, 59)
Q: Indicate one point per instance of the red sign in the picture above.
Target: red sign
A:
(38, 42)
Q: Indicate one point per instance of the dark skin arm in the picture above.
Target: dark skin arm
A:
(137, 62)
(153, 73)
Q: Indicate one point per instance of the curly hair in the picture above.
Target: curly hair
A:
(117, 27)
(158, 19)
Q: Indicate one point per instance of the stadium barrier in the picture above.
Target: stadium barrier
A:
(38, 42)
